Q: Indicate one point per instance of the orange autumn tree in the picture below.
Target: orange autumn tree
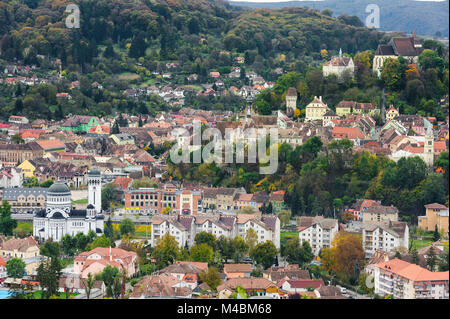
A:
(412, 72)
(340, 259)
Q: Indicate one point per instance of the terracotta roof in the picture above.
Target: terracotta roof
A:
(179, 268)
(203, 266)
(230, 268)
(436, 206)
(48, 144)
(291, 92)
(338, 61)
(412, 271)
(246, 283)
(19, 244)
(305, 283)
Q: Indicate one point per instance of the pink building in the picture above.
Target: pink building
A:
(96, 260)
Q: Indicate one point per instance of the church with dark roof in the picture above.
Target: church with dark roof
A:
(59, 218)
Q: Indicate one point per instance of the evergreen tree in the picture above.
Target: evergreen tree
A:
(415, 257)
(115, 128)
(109, 51)
(431, 260)
(436, 235)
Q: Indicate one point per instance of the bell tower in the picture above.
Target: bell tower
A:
(428, 153)
(94, 181)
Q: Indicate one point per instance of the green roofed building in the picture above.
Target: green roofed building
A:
(80, 123)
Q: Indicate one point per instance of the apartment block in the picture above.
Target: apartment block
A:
(403, 280)
(384, 236)
(184, 228)
(318, 231)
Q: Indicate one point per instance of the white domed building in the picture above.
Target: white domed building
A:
(60, 218)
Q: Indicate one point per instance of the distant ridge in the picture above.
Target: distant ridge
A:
(425, 17)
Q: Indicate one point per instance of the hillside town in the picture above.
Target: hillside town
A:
(94, 205)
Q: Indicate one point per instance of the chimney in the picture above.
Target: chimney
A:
(110, 254)
(320, 98)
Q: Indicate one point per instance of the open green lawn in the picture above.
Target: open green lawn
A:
(128, 76)
(66, 262)
(418, 244)
(80, 201)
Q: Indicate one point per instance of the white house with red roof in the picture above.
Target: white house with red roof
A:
(96, 260)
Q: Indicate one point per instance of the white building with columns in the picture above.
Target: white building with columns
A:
(60, 218)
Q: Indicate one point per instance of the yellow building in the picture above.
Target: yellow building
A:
(436, 215)
(28, 168)
(391, 113)
(316, 110)
(19, 247)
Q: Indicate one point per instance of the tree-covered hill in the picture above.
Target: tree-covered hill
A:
(131, 44)
(425, 17)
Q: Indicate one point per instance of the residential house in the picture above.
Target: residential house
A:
(96, 260)
(159, 286)
(300, 285)
(19, 248)
(289, 272)
(252, 286)
(339, 65)
(237, 270)
(316, 109)
(80, 123)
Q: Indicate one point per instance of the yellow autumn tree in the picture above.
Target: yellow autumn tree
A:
(296, 113)
(345, 249)
(324, 53)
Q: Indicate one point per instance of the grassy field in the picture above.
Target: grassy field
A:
(24, 229)
(128, 76)
(418, 244)
(80, 201)
(140, 230)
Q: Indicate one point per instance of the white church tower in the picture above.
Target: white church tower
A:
(94, 181)
(428, 153)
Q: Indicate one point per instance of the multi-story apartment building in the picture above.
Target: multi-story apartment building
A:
(184, 228)
(403, 280)
(319, 232)
(12, 154)
(221, 198)
(379, 213)
(23, 200)
(384, 236)
(154, 201)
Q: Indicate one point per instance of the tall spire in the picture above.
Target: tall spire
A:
(340, 52)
